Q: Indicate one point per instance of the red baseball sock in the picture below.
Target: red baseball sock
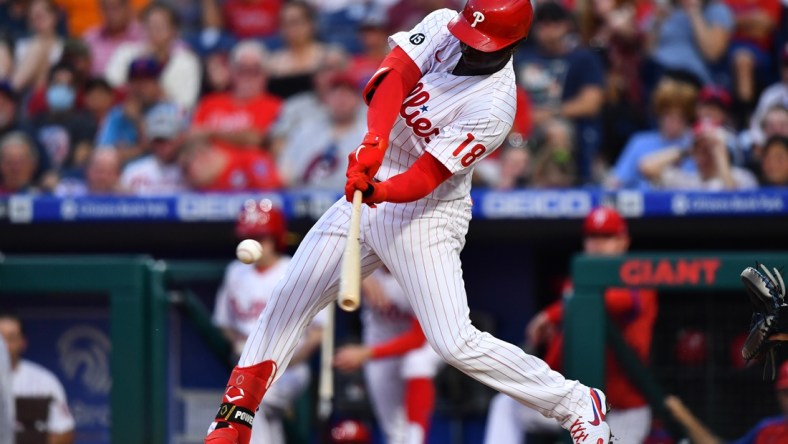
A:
(419, 402)
(245, 390)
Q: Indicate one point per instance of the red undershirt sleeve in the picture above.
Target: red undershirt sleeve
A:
(386, 90)
(410, 340)
(418, 181)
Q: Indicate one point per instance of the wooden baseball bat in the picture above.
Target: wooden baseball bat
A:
(325, 390)
(350, 274)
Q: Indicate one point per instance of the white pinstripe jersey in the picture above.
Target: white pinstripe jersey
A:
(458, 119)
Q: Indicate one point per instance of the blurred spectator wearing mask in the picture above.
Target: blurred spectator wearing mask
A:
(159, 172)
(774, 162)
(709, 155)
(34, 55)
(181, 76)
(315, 153)
(688, 36)
(102, 176)
(75, 55)
(772, 96)
(9, 106)
(209, 167)
(63, 135)
(242, 117)
(751, 46)
(40, 397)
(122, 126)
(98, 99)
(118, 26)
(18, 162)
(291, 68)
(563, 81)
(674, 106)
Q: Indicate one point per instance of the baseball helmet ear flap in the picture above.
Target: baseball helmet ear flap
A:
(490, 25)
(260, 219)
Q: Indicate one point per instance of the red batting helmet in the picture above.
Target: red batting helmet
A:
(350, 432)
(604, 221)
(260, 219)
(490, 25)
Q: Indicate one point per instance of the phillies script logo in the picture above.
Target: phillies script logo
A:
(665, 272)
(421, 126)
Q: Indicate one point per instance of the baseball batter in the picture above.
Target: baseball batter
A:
(244, 293)
(398, 362)
(442, 100)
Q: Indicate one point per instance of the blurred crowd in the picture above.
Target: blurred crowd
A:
(147, 98)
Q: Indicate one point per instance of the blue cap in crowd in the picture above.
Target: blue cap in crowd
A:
(145, 68)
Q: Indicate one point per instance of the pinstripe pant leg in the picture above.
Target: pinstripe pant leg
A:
(420, 244)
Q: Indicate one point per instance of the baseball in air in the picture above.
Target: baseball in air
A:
(249, 251)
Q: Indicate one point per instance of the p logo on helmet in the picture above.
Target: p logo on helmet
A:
(478, 17)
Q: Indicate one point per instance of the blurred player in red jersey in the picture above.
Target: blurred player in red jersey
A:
(772, 430)
(633, 310)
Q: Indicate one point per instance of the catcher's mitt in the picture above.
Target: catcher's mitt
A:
(767, 293)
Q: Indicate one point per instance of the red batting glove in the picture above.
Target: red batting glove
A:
(372, 193)
(366, 159)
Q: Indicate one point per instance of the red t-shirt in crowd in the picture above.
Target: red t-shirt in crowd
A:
(247, 169)
(223, 112)
(251, 18)
(772, 8)
(634, 310)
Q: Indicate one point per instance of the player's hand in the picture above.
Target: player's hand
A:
(372, 193)
(539, 330)
(366, 159)
(351, 357)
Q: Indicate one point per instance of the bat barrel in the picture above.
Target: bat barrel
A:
(350, 274)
